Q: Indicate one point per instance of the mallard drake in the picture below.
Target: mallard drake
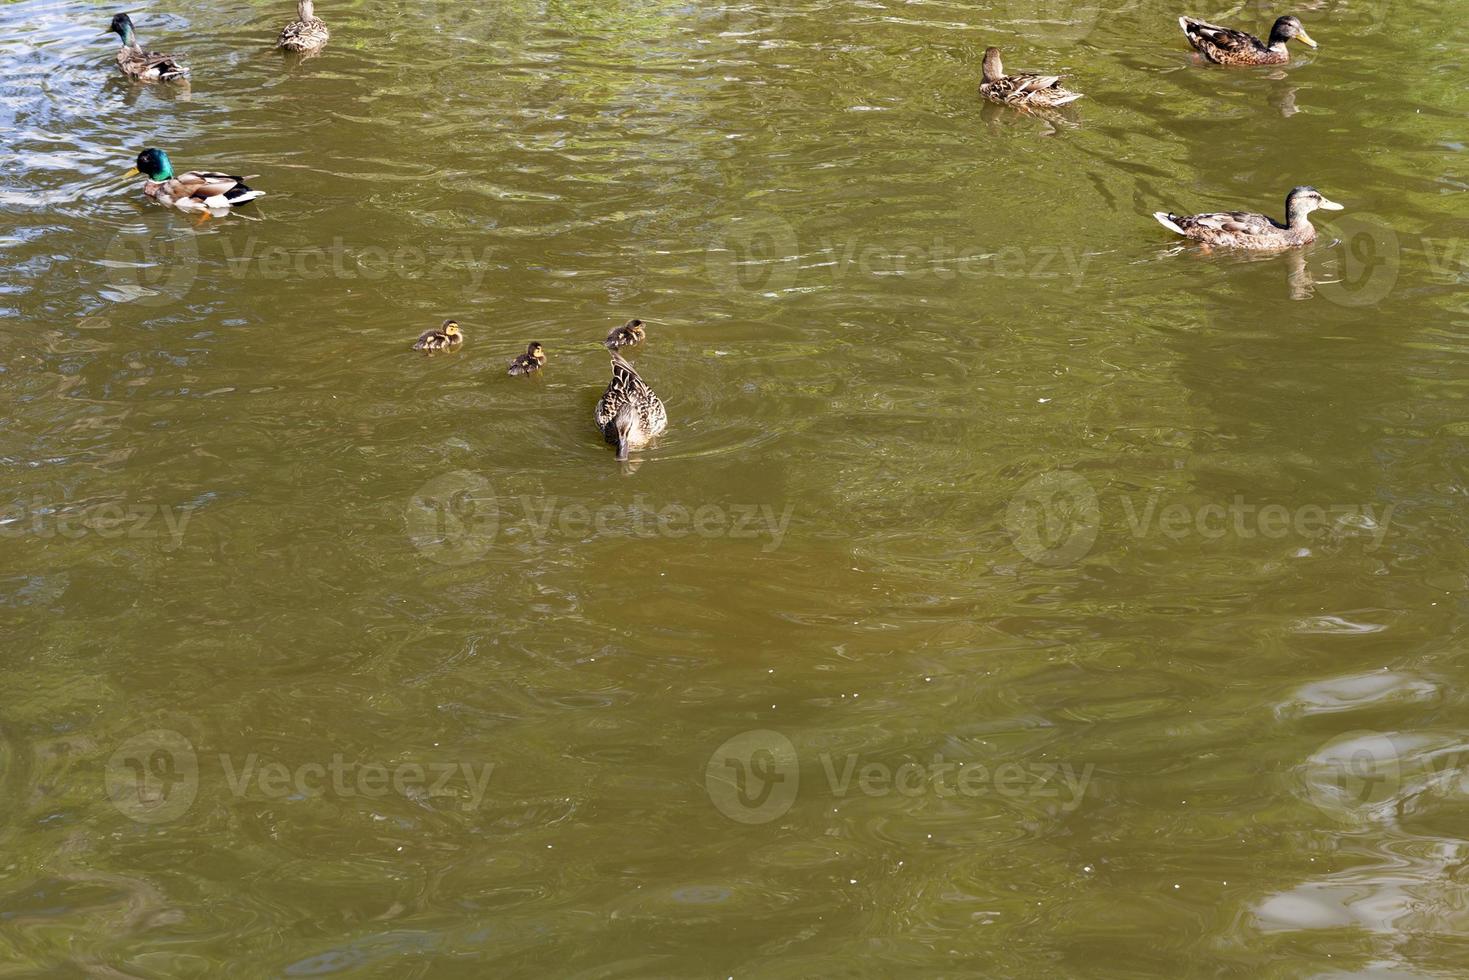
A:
(145, 66)
(530, 362)
(197, 190)
(446, 337)
(307, 32)
(629, 414)
(1227, 46)
(627, 335)
(1028, 91)
(1244, 229)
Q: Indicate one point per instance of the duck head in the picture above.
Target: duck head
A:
(1287, 28)
(122, 26)
(153, 164)
(1301, 201)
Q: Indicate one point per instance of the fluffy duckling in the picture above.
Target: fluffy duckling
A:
(307, 32)
(197, 190)
(530, 362)
(627, 335)
(1245, 229)
(145, 66)
(1227, 46)
(629, 414)
(446, 337)
(1025, 91)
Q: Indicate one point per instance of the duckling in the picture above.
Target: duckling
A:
(530, 362)
(1025, 91)
(307, 32)
(1227, 46)
(446, 337)
(145, 66)
(197, 190)
(627, 335)
(1244, 229)
(629, 414)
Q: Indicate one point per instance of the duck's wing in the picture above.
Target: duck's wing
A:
(1219, 43)
(1226, 223)
(154, 65)
(626, 387)
(1029, 89)
(1027, 83)
(425, 339)
(300, 35)
(211, 189)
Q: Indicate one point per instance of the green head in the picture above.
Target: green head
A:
(153, 164)
(122, 26)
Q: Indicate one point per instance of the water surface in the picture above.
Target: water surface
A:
(327, 658)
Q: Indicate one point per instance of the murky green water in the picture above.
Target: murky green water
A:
(1014, 593)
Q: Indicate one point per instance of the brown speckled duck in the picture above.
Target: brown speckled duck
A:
(629, 414)
(306, 33)
(1227, 46)
(447, 337)
(627, 335)
(530, 362)
(1024, 90)
(1245, 229)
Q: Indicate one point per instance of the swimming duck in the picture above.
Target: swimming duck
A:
(1244, 229)
(530, 362)
(446, 337)
(629, 414)
(1227, 46)
(307, 32)
(1027, 91)
(197, 190)
(145, 66)
(627, 335)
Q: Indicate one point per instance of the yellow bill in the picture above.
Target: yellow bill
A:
(1306, 39)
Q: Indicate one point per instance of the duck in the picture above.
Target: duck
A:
(1227, 46)
(306, 33)
(145, 66)
(446, 337)
(1024, 90)
(627, 335)
(197, 190)
(629, 414)
(1244, 229)
(530, 362)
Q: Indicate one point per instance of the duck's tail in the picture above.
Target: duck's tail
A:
(1166, 220)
